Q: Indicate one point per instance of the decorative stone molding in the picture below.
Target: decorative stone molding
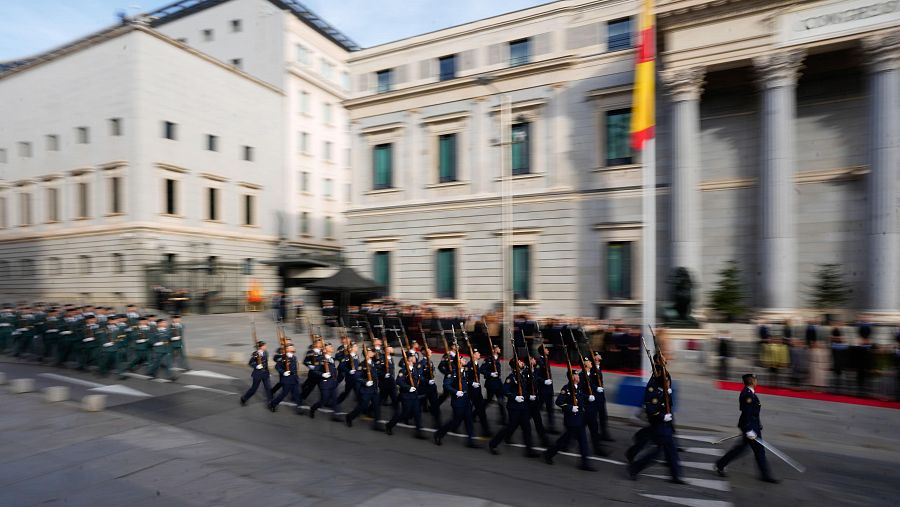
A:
(779, 69)
(684, 84)
(883, 51)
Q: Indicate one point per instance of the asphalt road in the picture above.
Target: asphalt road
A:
(189, 442)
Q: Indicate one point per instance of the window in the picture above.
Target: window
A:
(236, 25)
(618, 270)
(118, 263)
(327, 70)
(618, 138)
(445, 268)
(169, 130)
(618, 34)
(24, 149)
(115, 195)
(82, 135)
(52, 142)
(212, 202)
(304, 181)
(326, 150)
(237, 62)
(249, 201)
(519, 52)
(115, 127)
(447, 66)
(345, 80)
(212, 262)
(171, 197)
(212, 142)
(85, 264)
(329, 227)
(248, 266)
(304, 223)
(447, 158)
(304, 103)
(382, 164)
(381, 271)
(304, 142)
(53, 205)
(25, 209)
(328, 188)
(170, 262)
(207, 35)
(521, 149)
(385, 80)
(248, 153)
(301, 54)
(3, 222)
(521, 264)
(83, 200)
(327, 113)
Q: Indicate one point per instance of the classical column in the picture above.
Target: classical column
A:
(778, 74)
(685, 87)
(883, 52)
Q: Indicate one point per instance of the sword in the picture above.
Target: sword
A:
(784, 457)
(727, 439)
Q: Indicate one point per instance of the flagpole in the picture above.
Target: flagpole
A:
(648, 250)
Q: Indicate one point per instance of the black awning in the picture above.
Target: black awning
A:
(346, 280)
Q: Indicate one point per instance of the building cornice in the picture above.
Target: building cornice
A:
(94, 230)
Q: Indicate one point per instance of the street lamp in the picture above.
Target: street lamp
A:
(506, 204)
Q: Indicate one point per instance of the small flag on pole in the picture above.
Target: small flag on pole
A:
(643, 112)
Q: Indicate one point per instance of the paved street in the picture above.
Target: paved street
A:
(189, 442)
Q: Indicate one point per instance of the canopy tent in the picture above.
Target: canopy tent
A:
(346, 287)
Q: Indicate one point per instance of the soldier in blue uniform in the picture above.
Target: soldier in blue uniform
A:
(409, 381)
(312, 359)
(492, 372)
(259, 362)
(287, 369)
(659, 408)
(751, 426)
(518, 417)
(347, 357)
(367, 382)
(385, 366)
(589, 382)
(429, 389)
(533, 400)
(476, 395)
(327, 378)
(544, 378)
(572, 401)
(456, 382)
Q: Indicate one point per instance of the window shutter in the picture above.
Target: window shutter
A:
(583, 36)
(363, 85)
(495, 54)
(467, 60)
(541, 44)
(400, 74)
(426, 69)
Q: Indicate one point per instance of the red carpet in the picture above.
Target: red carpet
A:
(810, 395)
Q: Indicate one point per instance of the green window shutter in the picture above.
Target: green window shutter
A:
(618, 270)
(521, 272)
(618, 136)
(520, 152)
(446, 273)
(382, 167)
(447, 158)
(381, 271)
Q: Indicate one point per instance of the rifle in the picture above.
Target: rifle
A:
(471, 351)
(571, 375)
(667, 398)
(427, 353)
(516, 367)
(578, 349)
(528, 364)
(491, 345)
(282, 339)
(366, 361)
(458, 360)
(255, 341)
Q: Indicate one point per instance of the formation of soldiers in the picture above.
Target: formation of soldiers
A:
(95, 338)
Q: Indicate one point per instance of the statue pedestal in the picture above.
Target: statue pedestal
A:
(689, 350)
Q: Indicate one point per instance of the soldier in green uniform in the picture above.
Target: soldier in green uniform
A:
(109, 349)
(139, 339)
(24, 332)
(7, 321)
(50, 335)
(94, 336)
(179, 353)
(161, 352)
(68, 335)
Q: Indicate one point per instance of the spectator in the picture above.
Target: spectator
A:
(863, 357)
(897, 365)
(724, 353)
(799, 362)
(819, 361)
(812, 332)
(839, 351)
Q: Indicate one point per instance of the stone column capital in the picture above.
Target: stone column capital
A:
(684, 84)
(779, 69)
(883, 51)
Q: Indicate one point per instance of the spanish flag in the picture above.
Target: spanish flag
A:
(643, 114)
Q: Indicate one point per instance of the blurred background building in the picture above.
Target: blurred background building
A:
(778, 131)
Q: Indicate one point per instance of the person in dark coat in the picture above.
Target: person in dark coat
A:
(751, 426)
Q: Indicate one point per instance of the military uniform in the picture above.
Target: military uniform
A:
(142, 336)
(327, 378)
(7, 323)
(515, 394)
(460, 402)
(259, 374)
(429, 389)
(751, 425)
(546, 395)
(347, 369)
(87, 354)
(409, 380)
(161, 352)
(477, 397)
(572, 400)
(386, 386)
(311, 360)
(659, 407)
(290, 384)
(492, 372)
(177, 346)
(367, 388)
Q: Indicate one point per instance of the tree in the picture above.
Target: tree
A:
(728, 296)
(829, 291)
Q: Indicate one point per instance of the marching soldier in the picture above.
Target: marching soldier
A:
(590, 384)
(385, 366)
(87, 349)
(476, 395)
(599, 392)
(409, 380)
(515, 392)
(259, 362)
(544, 379)
(68, 336)
(346, 357)
(109, 347)
(492, 372)
(312, 359)
(533, 400)
(658, 407)
(429, 389)
(327, 378)
(51, 337)
(456, 383)
(366, 378)
(161, 355)
(132, 315)
(572, 401)
(751, 425)
(290, 384)
(179, 353)
(141, 337)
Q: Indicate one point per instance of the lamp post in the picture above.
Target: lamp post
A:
(506, 203)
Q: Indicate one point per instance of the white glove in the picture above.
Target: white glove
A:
(459, 394)
(431, 382)
(370, 383)
(352, 372)
(287, 374)
(548, 382)
(326, 375)
(575, 410)
(157, 344)
(259, 367)
(667, 418)
(520, 399)
(412, 389)
(494, 374)
(532, 397)
(670, 390)
(599, 389)
(476, 385)
(387, 375)
(751, 435)
(592, 398)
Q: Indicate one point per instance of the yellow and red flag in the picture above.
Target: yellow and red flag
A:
(643, 113)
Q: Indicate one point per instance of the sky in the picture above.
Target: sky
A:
(28, 27)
